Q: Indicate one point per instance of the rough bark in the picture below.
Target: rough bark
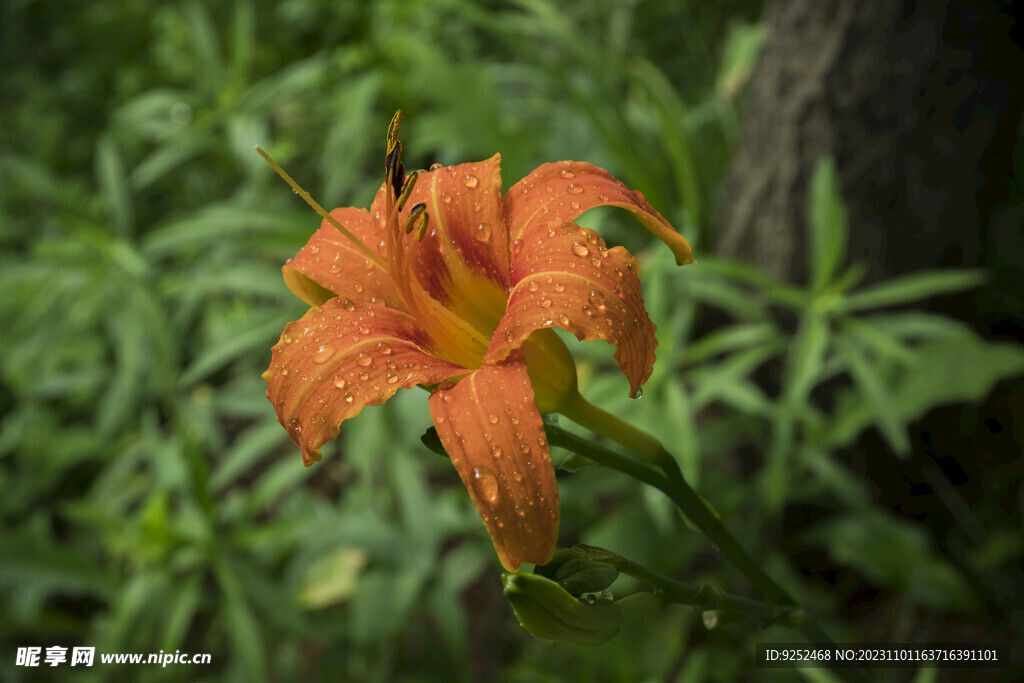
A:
(919, 104)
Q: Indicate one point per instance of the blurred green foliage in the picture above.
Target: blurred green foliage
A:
(153, 502)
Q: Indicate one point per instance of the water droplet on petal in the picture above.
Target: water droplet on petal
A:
(348, 305)
(314, 249)
(384, 348)
(482, 232)
(564, 319)
(348, 397)
(496, 452)
(472, 181)
(323, 352)
(434, 167)
(579, 249)
(575, 188)
(639, 393)
(446, 198)
(566, 173)
(597, 300)
(364, 360)
(392, 378)
(339, 381)
(485, 484)
(559, 287)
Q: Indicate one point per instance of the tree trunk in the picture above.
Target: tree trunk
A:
(919, 103)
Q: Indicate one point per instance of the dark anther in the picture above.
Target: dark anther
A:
(415, 214)
(410, 183)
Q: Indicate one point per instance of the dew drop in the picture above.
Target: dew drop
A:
(323, 352)
(286, 338)
(574, 204)
(392, 378)
(482, 232)
(472, 181)
(334, 267)
(597, 300)
(314, 249)
(564, 319)
(575, 188)
(567, 174)
(434, 167)
(339, 381)
(559, 287)
(348, 305)
(546, 303)
(496, 452)
(517, 475)
(533, 286)
(485, 484)
(446, 198)
(363, 376)
(579, 249)
(364, 360)
(384, 348)
(639, 393)
(349, 398)
(363, 329)
(493, 419)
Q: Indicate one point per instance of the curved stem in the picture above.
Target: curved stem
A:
(672, 484)
(702, 597)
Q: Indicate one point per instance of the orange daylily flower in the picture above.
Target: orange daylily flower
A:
(448, 284)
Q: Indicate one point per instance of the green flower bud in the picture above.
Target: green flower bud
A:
(580, 576)
(548, 612)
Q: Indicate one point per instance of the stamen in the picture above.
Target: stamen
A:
(393, 166)
(415, 214)
(421, 229)
(372, 255)
(407, 190)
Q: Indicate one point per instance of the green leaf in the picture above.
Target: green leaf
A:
(113, 185)
(827, 225)
(873, 387)
(956, 371)
(806, 356)
(916, 286)
(730, 338)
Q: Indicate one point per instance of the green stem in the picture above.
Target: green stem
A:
(702, 597)
(674, 485)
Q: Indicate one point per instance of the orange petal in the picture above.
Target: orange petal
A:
(566, 277)
(490, 425)
(332, 265)
(562, 191)
(340, 357)
(463, 260)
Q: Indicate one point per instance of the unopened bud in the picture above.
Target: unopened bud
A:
(548, 612)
